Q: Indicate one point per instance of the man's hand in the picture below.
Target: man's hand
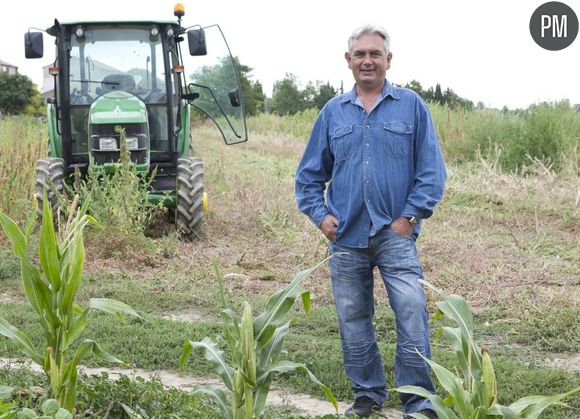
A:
(402, 226)
(328, 227)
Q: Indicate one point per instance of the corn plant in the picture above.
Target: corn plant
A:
(255, 345)
(472, 392)
(50, 291)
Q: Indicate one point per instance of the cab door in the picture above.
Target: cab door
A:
(213, 83)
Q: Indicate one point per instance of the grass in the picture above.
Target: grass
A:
(508, 242)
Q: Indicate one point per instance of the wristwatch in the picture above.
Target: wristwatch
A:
(413, 221)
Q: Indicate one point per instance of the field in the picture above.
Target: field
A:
(507, 241)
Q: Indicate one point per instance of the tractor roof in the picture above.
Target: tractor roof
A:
(115, 22)
(51, 30)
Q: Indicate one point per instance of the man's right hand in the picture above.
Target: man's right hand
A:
(329, 226)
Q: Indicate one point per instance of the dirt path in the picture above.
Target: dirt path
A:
(278, 396)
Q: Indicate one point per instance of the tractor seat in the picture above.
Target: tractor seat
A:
(119, 81)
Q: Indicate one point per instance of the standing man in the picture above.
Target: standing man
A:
(378, 148)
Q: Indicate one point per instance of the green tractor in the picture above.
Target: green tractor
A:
(127, 80)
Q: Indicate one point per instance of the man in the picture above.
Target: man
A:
(378, 148)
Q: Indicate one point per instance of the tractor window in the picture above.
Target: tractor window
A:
(158, 127)
(107, 58)
(79, 129)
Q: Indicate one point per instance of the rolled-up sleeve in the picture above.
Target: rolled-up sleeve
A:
(314, 171)
(430, 173)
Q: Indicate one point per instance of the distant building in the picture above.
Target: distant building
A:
(8, 68)
(47, 88)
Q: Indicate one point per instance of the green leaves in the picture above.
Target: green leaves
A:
(21, 341)
(50, 292)
(474, 394)
(255, 346)
(213, 355)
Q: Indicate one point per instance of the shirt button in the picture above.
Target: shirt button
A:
(368, 126)
(367, 144)
(366, 162)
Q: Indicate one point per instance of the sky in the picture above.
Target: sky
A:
(482, 50)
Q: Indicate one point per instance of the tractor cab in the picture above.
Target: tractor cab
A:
(138, 82)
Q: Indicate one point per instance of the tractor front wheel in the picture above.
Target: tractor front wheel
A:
(49, 178)
(190, 197)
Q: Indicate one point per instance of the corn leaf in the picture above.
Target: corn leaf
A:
(271, 351)
(114, 307)
(532, 406)
(48, 248)
(77, 327)
(86, 347)
(285, 366)
(216, 395)
(499, 410)
(442, 411)
(36, 291)
(278, 306)
(14, 235)
(451, 383)
(74, 273)
(248, 345)
(21, 341)
(213, 355)
(261, 394)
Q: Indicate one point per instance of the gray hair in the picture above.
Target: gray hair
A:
(370, 30)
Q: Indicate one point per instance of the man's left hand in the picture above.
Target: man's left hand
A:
(402, 226)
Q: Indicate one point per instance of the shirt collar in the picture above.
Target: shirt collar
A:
(388, 90)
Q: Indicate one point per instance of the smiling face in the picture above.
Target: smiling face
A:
(369, 61)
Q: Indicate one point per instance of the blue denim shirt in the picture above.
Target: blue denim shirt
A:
(379, 165)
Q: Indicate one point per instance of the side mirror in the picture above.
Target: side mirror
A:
(33, 45)
(196, 41)
(234, 96)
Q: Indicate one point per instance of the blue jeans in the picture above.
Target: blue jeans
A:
(351, 271)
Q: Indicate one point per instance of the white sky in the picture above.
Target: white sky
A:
(481, 49)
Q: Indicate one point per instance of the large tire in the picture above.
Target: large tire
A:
(49, 177)
(189, 213)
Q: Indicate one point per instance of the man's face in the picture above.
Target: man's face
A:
(368, 61)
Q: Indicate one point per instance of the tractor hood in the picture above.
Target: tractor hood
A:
(116, 108)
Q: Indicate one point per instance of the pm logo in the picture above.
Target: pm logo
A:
(554, 26)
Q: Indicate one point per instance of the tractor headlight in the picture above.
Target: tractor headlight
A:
(107, 143)
(132, 143)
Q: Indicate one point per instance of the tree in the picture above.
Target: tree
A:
(37, 106)
(16, 93)
(324, 93)
(252, 90)
(219, 78)
(287, 99)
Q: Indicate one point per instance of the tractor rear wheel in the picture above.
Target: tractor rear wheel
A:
(49, 177)
(190, 196)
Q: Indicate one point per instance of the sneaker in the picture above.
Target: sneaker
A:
(363, 406)
(428, 413)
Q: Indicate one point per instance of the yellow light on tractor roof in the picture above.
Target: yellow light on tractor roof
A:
(179, 10)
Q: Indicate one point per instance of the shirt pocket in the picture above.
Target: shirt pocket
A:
(342, 143)
(398, 138)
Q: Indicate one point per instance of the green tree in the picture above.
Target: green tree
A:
(16, 93)
(324, 93)
(252, 90)
(287, 99)
(415, 86)
(37, 107)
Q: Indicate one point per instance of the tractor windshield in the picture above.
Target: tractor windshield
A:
(108, 58)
